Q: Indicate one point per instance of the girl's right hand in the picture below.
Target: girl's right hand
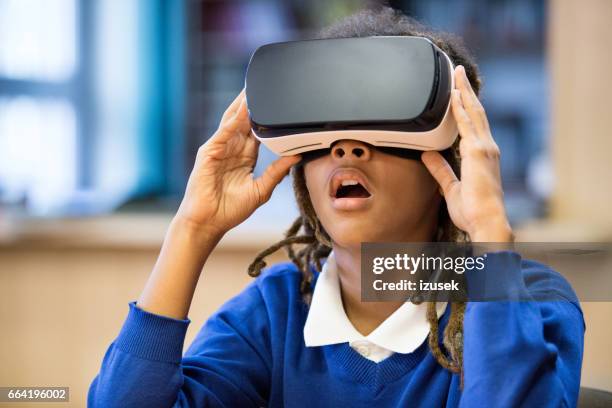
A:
(222, 191)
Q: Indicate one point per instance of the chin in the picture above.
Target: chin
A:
(351, 235)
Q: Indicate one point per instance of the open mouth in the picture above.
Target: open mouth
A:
(351, 189)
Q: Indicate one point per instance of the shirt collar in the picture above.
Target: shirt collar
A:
(327, 323)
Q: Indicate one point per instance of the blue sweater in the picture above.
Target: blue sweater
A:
(251, 352)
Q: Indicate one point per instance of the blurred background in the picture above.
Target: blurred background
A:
(103, 104)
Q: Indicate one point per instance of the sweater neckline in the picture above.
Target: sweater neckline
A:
(377, 375)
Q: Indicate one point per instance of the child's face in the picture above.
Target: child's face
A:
(399, 203)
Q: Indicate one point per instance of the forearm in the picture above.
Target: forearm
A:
(521, 351)
(170, 287)
(142, 367)
(145, 365)
(513, 362)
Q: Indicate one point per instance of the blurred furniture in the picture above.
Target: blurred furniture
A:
(592, 398)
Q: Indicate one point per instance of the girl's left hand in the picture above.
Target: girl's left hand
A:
(475, 203)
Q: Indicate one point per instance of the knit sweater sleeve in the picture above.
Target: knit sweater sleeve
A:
(527, 350)
(228, 363)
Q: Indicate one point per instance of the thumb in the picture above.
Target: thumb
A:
(274, 174)
(440, 170)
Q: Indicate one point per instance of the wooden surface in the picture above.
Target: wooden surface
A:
(61, 308)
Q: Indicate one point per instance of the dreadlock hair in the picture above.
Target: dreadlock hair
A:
(317, 244)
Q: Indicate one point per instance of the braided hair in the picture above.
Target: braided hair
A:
(316, 243)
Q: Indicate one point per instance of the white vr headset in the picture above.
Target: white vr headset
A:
(390, 92)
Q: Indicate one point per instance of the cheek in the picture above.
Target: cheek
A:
(410, 186)
(314, 172)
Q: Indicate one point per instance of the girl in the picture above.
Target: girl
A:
(299, 335)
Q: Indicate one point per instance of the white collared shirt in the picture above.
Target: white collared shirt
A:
(402, 332)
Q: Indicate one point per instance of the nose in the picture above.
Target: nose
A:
(351, 149)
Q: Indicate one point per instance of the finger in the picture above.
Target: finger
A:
(464, 123)
(471, 102)
(251, 147)
(242, 118)
(231, 109)
(274, 174)
(240, 121)
(236, 126)
(441, 171)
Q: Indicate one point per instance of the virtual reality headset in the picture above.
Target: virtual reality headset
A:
(388, 91)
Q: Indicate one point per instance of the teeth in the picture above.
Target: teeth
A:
(349, 182)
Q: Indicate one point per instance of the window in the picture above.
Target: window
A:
(91, 103)
(39, 92)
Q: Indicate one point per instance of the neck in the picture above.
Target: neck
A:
(365, 316)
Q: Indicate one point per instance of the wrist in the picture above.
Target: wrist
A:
(493, 231)
(194, 232)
